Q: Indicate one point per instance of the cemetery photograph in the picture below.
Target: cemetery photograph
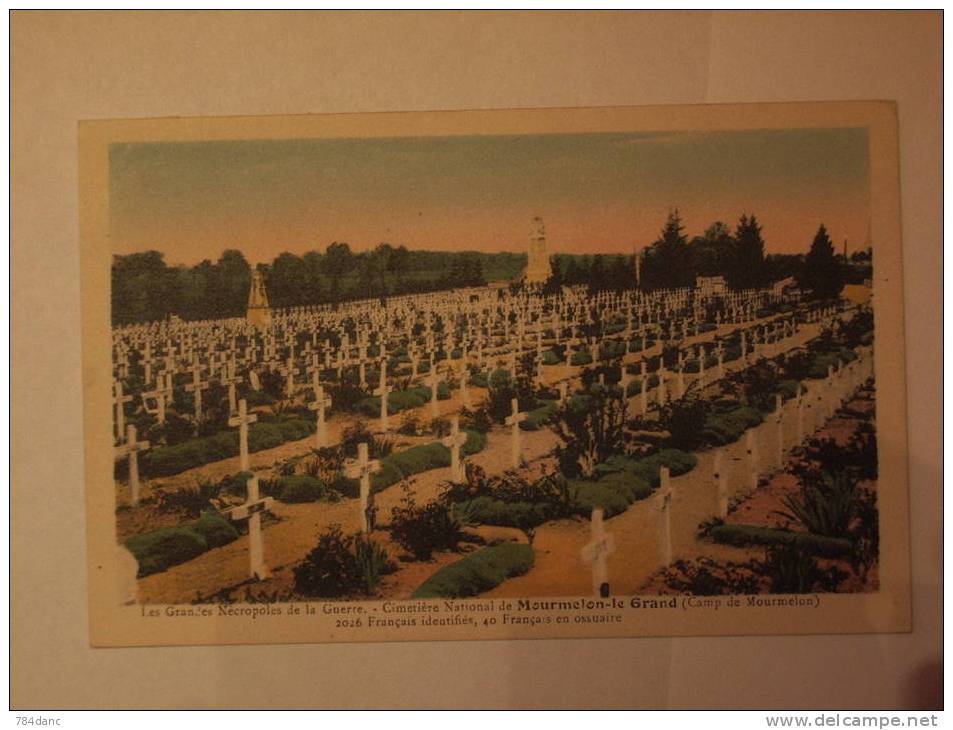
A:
(493, 367)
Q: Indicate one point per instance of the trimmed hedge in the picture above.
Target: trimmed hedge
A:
(159, 550)
(726, 428)
(678, 462)
(621, 481)
(412, 461)
(635, 387)
(298, 488)
(498, 377)
(538, 417)
(478, 572)
(402, 400)
(743, 535)
(611, 349)
(489, 511)
(166, 460)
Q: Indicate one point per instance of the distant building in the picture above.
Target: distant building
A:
(259, 313)
(779, 287)
(537, 267)
(710, 286)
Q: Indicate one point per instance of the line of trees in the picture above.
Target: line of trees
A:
(674, 261)
(145, 288)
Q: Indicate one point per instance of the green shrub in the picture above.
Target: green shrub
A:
(299, 488)
(611, 349)
(295, 429)
(551, 358)
(726, 428)
(264, 436)
(589, 495)
(161, 549)
(793, 569)
(236, 484)
(742, 535)
(372, 563)
(215, 529)
(678, 462)
(478, 572)
(580, 358)
(167, 460)
(627, 484)
(538, 417)
(788, 389)
(475, 443)
(331, 569)
(614, 490)
(485, 510)
(422, 530)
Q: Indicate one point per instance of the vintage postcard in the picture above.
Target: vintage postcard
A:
(499, 374)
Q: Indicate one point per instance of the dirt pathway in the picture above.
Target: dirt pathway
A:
(288, 540)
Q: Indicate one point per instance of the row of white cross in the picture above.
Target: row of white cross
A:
(838, 385)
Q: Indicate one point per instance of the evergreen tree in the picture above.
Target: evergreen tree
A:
(668, 262)
(822, 274)
(745, 269)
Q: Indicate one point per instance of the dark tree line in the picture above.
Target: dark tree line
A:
(145, 288)
(674, 261)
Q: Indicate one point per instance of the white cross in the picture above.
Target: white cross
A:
(382, 390)
(434, 383)
(159, 394)
(596, 553)
(251, 511)
(118, 400)
(362, 468)
(230, 379)
(132, 449)
(454, 441)
(196, 387)
(319, 404)
(243, 420)
(513, 421)
(289, 372)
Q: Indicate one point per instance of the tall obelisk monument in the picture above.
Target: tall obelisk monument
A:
(537, 267)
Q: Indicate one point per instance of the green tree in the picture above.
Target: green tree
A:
(822, 274)
(710, 251)
(668, 262)
(745, 269)
(231, 281)
(287, 281)
(338, 262)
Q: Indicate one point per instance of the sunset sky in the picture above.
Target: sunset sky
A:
(597, 193)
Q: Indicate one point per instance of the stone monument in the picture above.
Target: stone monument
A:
(259, 314)
(537, 267)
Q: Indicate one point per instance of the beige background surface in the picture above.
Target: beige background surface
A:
(67, 67)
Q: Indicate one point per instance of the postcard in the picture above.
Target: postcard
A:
(555, 373)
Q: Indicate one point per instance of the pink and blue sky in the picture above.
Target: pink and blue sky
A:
(597, 193)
